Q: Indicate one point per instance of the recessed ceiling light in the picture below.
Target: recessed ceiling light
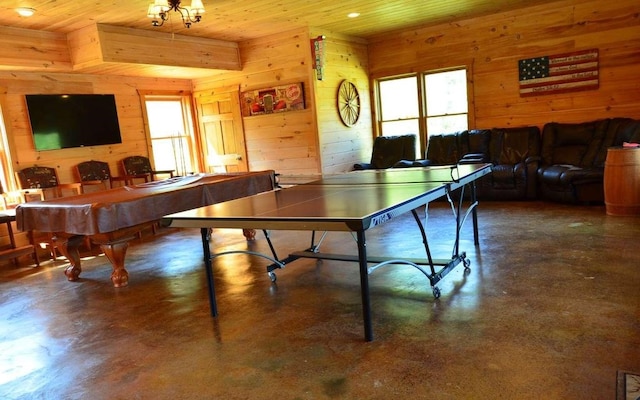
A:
(353, 15)
(25, 11)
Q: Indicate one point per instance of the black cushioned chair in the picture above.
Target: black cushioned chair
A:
(388, 150)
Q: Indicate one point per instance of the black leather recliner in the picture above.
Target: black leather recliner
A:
(388, 150)
(453, 148)
(514, 154)
(573, 157)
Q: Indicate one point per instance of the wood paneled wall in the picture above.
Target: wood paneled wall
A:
(292, 143)
(306, 142)
(342, 146)
(14, 85)
(492, 46)
(314, 140)
(285, 142)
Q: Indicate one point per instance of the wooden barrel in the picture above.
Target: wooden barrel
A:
(622, 181)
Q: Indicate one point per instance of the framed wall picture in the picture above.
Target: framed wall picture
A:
(273, 100)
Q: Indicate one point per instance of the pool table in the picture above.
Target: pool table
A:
(111, 218)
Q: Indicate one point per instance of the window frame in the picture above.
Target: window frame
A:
(423, 133)
(381, 121)
(190, 133)
(7, 148)
(424, 76)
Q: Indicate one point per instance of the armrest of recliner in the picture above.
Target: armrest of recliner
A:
(362, 166)
(412, 163)
(422, 163)
(472, 158)
(532, 159)
(404, 164)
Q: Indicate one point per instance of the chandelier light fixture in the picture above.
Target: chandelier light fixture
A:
(159, 11)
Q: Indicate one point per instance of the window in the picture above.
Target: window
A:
(399, 106)
(429, 103)
(5, 158)
(170, 133)
(446, 101)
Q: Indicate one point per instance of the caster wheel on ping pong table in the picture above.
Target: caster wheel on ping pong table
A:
(272, 276)
(436, 292)
(466, 262)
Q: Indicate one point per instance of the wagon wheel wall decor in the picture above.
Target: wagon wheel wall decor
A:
(348, 103)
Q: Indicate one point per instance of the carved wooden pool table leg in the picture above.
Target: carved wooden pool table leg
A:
(68, 246)
(116, 252)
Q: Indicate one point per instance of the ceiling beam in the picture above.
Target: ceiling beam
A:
(101, 43)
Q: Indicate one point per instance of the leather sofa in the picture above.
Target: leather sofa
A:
(513, 152)
(564, 162)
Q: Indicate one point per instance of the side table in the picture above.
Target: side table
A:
(622, 181)
(13, 252)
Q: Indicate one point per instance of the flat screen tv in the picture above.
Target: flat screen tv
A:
(74, 120)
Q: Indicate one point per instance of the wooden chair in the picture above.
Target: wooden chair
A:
(139, 167)
(97, 173)
(45, 179)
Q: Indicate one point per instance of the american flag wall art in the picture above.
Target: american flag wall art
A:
(560, 73)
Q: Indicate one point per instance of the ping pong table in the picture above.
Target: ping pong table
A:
(354, 202)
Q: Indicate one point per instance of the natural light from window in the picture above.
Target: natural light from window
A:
(170, 142)
(446, 101)
(444, 109)
(399, 106)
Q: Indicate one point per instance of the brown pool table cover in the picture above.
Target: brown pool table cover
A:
(126, 206)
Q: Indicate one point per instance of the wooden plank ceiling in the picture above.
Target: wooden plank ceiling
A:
(236, 21)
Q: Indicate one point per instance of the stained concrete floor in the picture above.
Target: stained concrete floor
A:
(549, 310)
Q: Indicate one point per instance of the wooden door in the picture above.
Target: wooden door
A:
(221, 132)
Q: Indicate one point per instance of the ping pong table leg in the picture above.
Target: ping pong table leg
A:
(474, 213)
(209, 268)
(456, 208)
(364, 286)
